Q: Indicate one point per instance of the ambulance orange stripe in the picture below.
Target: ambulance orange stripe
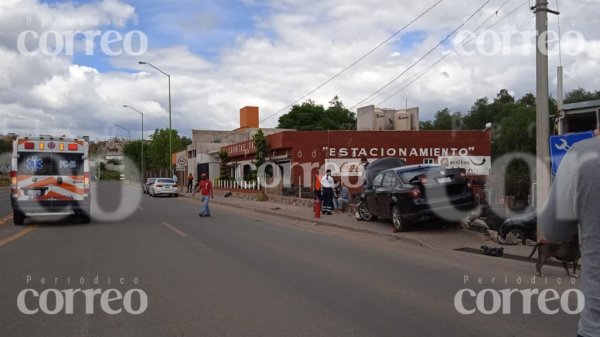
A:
(53, 181)
(71, 188)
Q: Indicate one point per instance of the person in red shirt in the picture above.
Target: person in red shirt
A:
(206, 192)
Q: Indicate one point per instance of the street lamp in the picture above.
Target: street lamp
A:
(142, 165)
(170, 130)
(126, 129)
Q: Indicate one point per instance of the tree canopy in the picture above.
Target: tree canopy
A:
(158, 148)
(311, 116)
(580, 95)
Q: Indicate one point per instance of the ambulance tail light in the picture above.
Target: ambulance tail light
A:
(13, 182)
(86, 182)
(73, 147)
(29, 146)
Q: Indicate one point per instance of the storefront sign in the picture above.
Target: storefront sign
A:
(402, 152)
(474, 165)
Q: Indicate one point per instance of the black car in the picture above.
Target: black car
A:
(414, 193)
(520, 227)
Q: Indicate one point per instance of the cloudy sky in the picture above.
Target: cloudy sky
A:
(69, 66)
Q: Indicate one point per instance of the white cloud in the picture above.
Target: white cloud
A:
(296, 47)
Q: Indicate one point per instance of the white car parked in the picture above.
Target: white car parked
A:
(164, 186)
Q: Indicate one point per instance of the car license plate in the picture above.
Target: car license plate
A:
(444, 180)
(34, 193)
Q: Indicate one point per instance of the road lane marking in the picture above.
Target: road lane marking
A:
(17, 235)
(140, 208)
(174, 229)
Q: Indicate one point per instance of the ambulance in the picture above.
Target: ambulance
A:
(50, 176)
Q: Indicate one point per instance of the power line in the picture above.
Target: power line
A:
(465, 41)
(355, 62)
(422, 57)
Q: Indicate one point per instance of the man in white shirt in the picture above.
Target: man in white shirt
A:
(327, 184)
(573, 201)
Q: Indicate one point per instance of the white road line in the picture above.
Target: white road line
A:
(176, 230)
(140, 208)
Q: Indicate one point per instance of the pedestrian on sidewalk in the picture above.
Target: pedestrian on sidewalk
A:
(573, 201)
(190, 183)
(318, 187)
(206, 192)
(327, 184)
(343, 197)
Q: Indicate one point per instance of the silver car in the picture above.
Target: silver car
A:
(164, 186)
(147, 184)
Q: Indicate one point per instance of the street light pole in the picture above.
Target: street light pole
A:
(126, 129)
(142, 158)
(170, 125)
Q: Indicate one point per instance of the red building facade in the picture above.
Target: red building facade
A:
(300, 154)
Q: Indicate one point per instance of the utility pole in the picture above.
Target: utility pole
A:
(542, 176)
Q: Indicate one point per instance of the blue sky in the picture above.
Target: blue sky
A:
(204, 27)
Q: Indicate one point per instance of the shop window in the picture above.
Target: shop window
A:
(428, 161)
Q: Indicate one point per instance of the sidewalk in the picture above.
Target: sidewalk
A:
(423, 237)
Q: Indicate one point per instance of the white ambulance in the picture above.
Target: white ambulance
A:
(50, 176)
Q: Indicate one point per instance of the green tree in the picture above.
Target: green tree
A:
(5, 146)
(224, 170)
(304, 117)
(426, 125)
(262, 147)
(527, 100)
(133, 151)
(337, 117)
(311, 116)
(158, 148)
(444, 120)
(580, 95)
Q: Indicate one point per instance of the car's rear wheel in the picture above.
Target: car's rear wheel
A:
(363, 212)
(399, 223)
(18, 218)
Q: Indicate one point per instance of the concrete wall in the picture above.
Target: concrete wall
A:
(370, 118)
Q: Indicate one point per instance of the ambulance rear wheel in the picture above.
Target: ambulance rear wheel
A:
(18, 218)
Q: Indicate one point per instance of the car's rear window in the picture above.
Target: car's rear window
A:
(407, 176)
(165, 181)
(46, 163)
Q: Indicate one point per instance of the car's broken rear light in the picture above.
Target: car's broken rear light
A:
(415, 193)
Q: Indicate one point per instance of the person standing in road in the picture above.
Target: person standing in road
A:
(190, 183)
(327, 185)
(573, 201)
(206, 192)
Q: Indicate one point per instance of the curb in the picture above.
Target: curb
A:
(392, 236)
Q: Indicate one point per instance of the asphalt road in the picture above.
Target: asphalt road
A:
(245, 274)
(4, 201)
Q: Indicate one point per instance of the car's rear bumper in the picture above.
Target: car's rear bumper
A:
(166, 191)
(448, 211)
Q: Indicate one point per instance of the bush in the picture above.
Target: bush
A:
(110, 175)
